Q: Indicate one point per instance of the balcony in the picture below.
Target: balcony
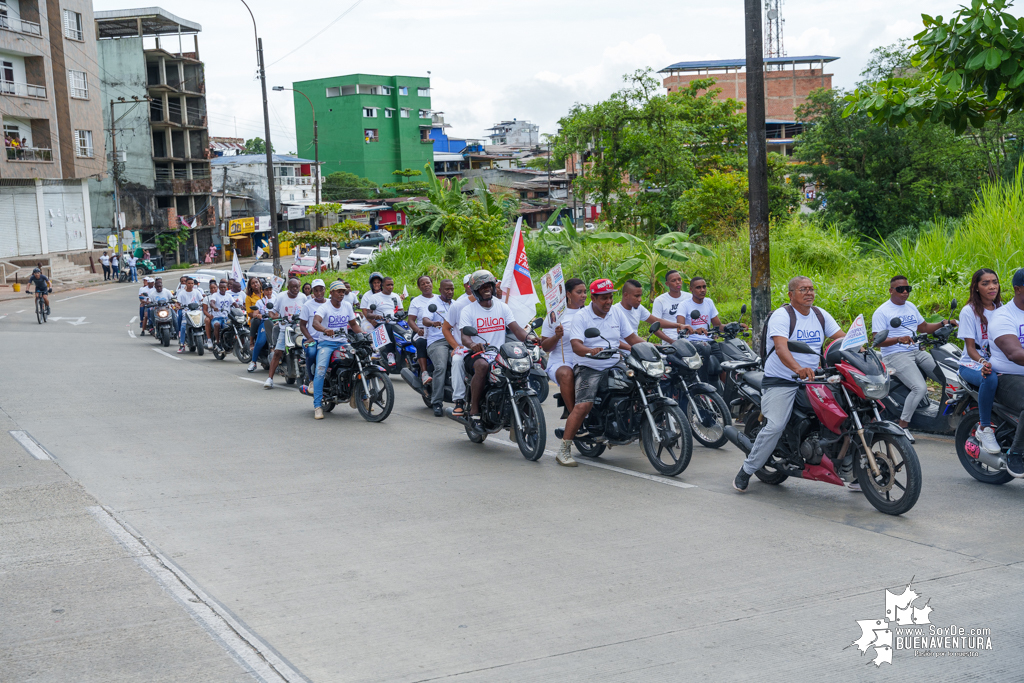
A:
(19, 25)
(36, 92)
(294, 180)
(29, 154)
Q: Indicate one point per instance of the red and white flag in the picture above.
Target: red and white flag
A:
(516, 285)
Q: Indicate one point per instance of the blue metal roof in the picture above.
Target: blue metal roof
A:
(737, 63)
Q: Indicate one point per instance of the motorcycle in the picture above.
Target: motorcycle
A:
(195, 332)
(988, 468)
(293, 365)
(401, 352)
(937, 417)
(630, 405)
(352, 370)
(160, 322)
(234, 336)
(412, 377)
(509, 402)
(706, 412)
(739, 359)
(142, 267)
(836, 434)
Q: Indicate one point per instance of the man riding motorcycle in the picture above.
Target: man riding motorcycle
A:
(1006, 330)
(306, 316)
(437, 345)
(699, 327)
(189, 295)
(286, 304)
(799, 321)
(450, 329)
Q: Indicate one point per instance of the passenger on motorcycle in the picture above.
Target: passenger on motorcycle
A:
(1006, 330)
(189, 295)
(617, 329)
(438, 349)
(986, 295)
(698, 328)
(159, 295)
(253, 294)
(217, 307)
(555, 341)
(899, 352)
(466, 292)
(490, 316)
(632, 295)
(417, 310)
(669, 305)
(41, 284)
(259, 318)
(144, 291)
(451, 332)
(306, 315)
(778, 389)
(235, 290)
(286, 304)
(330, 320)
(370, 298)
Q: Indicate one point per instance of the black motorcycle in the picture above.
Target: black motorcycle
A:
(234, 336)
(988, 468)
(630, 405)
(739, 360)
(509, 402)
(706, 412)
(293, 365)
(161, 322)
(354, 378)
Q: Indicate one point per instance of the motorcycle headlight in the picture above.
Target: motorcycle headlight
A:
(162, 314)
(874, 387)
(654, 368)
(519, 365)
(693, 362)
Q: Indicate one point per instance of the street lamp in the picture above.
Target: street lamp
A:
(316, 144)
(270, 158)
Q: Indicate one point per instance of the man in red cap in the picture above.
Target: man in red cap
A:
(617, 332)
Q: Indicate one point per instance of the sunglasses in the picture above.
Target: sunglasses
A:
(903, 289)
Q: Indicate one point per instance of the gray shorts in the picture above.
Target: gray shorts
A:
(587, 380)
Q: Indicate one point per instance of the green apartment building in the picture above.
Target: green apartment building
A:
(368, 125)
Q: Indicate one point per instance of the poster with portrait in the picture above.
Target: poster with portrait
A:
(553, 285)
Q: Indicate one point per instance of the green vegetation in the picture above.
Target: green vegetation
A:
(256, 146)
(341, 185)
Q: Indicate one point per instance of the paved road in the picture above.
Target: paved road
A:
(193, 526)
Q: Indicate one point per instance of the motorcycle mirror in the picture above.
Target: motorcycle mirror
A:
(373, 307)
(799, 347)
(655, 327)
(432, 308)
(743, 309)
(895, 323)
(880, 337)
(252, 308)
(269, 306)
(536, 324)
(694, 314)
(469, 331)
(593, 332)
(952, 305)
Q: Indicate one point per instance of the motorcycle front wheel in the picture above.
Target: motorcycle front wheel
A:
(376, 406)
(715, 407)
(539, 383)
(898, 484)
(242, 351)
(669, 449)
(533, 437)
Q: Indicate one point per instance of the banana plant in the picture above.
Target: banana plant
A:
(651, 259)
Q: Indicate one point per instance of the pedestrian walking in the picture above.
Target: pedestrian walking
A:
(105, 262)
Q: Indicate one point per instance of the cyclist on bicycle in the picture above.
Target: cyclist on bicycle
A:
(42, 284)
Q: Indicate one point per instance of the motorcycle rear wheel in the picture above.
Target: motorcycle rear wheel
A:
(328, 406)
(589, 449)
(533, 436)
(894, 455)
(713, 436)
(474, 435)
(377, 406)
(669, 457)
(769, 472)
(975, 468)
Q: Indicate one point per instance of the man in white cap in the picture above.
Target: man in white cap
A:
(459, 351)
(144, 293)
(331, 320)
(306, 314)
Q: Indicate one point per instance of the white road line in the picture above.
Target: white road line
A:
(600, 465)
(169, 355)
(131, 334)
(30, 445)
(90, 294)
(134, 318)
(2, 317)
(21, 311)
(248, 649)
(261, 381)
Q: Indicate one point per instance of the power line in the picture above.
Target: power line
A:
(316, 35)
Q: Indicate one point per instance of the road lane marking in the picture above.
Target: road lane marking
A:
(604, 466)
(131, 334)
(164, 353)
(134, 318)
(30, 445)
(21, 311)
(261, 381)
(249, 650)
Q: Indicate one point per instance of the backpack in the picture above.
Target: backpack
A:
(792, 326)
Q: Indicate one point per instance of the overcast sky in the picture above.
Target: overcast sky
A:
(494, 59)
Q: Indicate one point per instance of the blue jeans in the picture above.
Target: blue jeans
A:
(142, 314)
(986, 392)
(180, 313)
(310, 362)
(135, 274)
(261, 341)
(324, 349)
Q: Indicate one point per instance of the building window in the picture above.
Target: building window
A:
(370, 135)
(389, 113)
(424, 113)
(78, 83)
(83, 143)
(334, 92)
(405, 113)
(402, 90)
(73, 25)
(385, 90)
(423, 92)
(369, 112)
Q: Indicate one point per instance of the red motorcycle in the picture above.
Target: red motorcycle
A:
(836, 433)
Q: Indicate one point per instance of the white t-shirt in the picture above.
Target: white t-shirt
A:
(907, 313)
(239, 298)
(808, 330)
(368, 299)
(562, 353)
(220, 304)
(387, 303)
(418, 307)
(970, 327)
(614, 327)
(334, 318)
(1007, 319)
(490, 322)
(113, 261)
(422, 312)
(105, 260)
(162, 295)
(668, 307)
(285, 306)
(634, 316)
(130, 261)
(462, 298)
(708, 312)
(454, 315)
(194, 297)
(351, 299)
(145, 292)
(308, 311)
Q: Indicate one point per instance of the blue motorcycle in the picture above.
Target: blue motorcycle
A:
(401, 352)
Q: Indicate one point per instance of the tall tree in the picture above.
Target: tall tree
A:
(256, 146)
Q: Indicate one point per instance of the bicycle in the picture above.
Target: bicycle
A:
(40, 307)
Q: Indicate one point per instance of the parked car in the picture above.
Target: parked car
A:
(555, 228)
(588, 227)
(203, 277)
(261, 270)
(327, 254)
(361, 256)
(306, 265)
(374, 238)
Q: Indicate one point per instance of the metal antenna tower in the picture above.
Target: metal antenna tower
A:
(773, 25)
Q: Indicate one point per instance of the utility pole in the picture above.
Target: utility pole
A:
(757, 173)
(316, 148)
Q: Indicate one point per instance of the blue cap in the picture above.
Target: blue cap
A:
(1018, 278)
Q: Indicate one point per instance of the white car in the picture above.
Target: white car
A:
(360, 256)
(204, 276)
(328, 255)
(555, 229)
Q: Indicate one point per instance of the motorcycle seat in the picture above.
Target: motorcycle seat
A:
(753, 378)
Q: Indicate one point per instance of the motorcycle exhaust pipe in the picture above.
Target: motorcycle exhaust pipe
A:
(449, 413)
(739, 440)
(411, 379)
(995, 461)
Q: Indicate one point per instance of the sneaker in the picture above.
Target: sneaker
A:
(318, 413)
(987, 437)
(910, 437)
(460, 408)
(306, 389)
(269, 384)
(252, 367)
(438, 410)
(1015, 465)
(741, 481)
(209, 345)
(181, 348)
(564, 456)
(425, 377)
(853, 486)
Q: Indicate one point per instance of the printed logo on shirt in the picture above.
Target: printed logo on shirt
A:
(1020, 334)
(672, 309)
(489, 324)
(336, 321)
(703, 321)
(809, 337)
(908, 321)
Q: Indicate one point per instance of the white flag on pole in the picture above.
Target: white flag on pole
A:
(857, 336)
(517, 287)
(236, 269)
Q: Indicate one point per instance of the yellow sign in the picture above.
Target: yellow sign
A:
(241, 226)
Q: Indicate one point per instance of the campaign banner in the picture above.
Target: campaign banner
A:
(276, 282)
(380, 338)
(553, 286)
(857, 336)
